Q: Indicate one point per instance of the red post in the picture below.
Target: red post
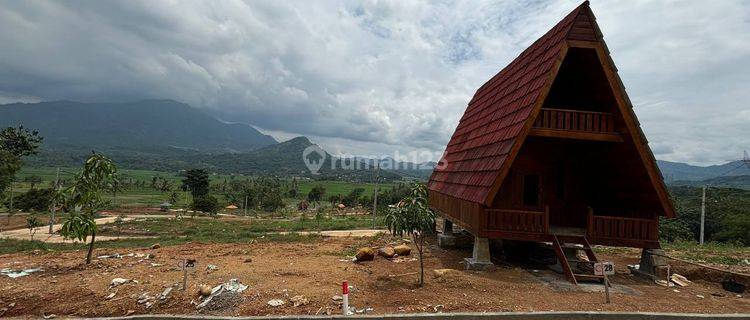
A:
(345, 295)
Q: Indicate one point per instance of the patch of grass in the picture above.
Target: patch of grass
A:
(12, 246)
(711, 252)
(232, 228)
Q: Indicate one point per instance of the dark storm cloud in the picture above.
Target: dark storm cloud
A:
(373, 76)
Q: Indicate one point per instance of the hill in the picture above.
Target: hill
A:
(740, 182)
(286, 159)
(676, 171)
(143, 126)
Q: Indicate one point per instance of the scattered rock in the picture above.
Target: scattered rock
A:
(211, 268)
(387, 252)
(299, 300)
(165, 294)
(700, 296)
(442, 272)
(365, 254)
(276, 302)
(402, 250)
(156, 246)
(146, 300)
(118, 281)
(204, 290)
(337, 298)
(248, 260)
(129, 312)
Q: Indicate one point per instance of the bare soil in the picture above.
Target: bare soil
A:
(18, 221)
(315, 271)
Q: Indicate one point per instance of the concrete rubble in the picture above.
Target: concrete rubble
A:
(231, 288)
(10, 273)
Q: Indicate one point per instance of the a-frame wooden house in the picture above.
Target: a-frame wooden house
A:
(550, 150)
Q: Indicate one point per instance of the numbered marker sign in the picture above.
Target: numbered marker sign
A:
(604, 268)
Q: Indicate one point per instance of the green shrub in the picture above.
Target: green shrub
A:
(206, 203)
(33, 200)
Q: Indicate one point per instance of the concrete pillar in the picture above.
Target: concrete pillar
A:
(480, 259)
(652, 264)
(446, 239)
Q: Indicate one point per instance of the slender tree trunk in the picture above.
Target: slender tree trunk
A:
(91, 247)
(11, 202)
(418, 241)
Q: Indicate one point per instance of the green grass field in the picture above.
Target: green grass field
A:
(148, 197)
(205, 230)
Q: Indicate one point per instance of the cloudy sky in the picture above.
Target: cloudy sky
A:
(376, 77)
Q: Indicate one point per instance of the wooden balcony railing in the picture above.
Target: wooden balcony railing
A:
(518, 221)
(602, 228)
(575, 120)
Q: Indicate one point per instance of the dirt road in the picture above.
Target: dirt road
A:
(42, 235)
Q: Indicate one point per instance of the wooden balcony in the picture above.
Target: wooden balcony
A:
(575, 124)
(526, 225)
(622, 230)
(518, 221)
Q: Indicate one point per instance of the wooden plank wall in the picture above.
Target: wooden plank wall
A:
(468, 215)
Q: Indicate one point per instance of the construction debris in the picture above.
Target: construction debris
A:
(680, 280)
(165, 294)
(228, 290)
(146, 300)
(276, 302)
(18, 273)
(120, 281)
(299, 300)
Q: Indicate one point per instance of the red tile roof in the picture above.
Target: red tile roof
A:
(492, 122)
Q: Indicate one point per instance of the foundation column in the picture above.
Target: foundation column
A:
(446, 239)
(480, 259)
(653, 264)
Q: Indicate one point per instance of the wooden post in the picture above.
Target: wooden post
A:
(606, 288)
(703, 214)
(590, 224)
(375, 197)
(54, 204)
(546, 219)
(184, 274)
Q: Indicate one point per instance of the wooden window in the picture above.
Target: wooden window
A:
(531, 190)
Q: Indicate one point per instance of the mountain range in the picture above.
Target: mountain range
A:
(169, 136)
(149, 124)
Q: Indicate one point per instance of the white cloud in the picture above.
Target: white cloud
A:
(374, 75)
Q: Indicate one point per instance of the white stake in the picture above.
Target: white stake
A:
(345, 307)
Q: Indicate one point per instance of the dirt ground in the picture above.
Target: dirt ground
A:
(315, 271)
(18, 221)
